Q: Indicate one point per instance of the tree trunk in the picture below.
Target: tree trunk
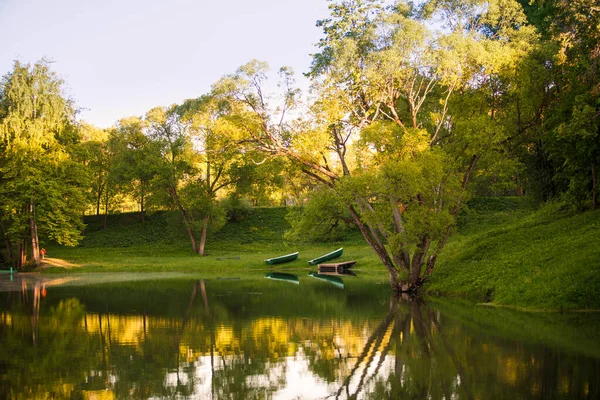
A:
(185, 219)
(35, 246)
(418, 261)
(379, 249)
(98, 201)
(142, 201)
(22, 254)
(105, 208)
(594, 186)
(402, 259)
(203, 236)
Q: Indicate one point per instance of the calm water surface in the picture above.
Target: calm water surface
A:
(284, 336)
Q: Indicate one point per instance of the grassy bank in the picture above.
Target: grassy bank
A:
(507, 253)
(160, 244)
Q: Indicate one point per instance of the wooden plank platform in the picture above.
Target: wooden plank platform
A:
(336, 267)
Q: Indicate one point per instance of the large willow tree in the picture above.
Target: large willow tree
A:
(409, 101)
(41, 187)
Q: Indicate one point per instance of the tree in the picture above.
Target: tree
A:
(576, 27)
(221, 163)
(403, 115)
(561, 149)
(171, 136)
(41, 191)
(137, 158)
(92, 152)
(178, 173)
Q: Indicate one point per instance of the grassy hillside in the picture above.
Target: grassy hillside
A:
(161, 244)
(509, 254)
(504, 252)
(263, 228)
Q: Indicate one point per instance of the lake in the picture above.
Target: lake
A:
(279, 334)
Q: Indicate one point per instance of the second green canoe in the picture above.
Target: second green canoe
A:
(282, 259)
(327, 257)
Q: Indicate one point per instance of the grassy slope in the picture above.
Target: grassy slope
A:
(504, 252)
(162, 245)
(510, 254)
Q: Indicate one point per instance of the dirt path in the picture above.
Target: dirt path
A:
(57, 262)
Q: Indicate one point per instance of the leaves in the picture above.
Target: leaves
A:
(36, 165)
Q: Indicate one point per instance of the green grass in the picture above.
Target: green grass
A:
(161, 244)
(507, 253)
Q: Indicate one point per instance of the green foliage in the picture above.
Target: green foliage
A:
(136, 158)
(577, 146)
(561, 145)
(200, 207)
(323, 218)
(42, 188)
(412, 110)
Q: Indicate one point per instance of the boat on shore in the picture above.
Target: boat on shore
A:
(282, 259)
(326, 257)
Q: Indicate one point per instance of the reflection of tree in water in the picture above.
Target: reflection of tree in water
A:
(208, 347)
(245, 366)
(61, 351)
(416, 353)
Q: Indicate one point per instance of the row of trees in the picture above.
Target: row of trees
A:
(410, 105)
(53, 169)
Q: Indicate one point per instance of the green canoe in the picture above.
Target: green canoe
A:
(280, 276)
(327, 257)
(282, 259)
(334, 280)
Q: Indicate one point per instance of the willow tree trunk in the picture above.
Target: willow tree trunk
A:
(35, 245)
(418, 261)
(184, 216)
(203, 235)
(378, 247)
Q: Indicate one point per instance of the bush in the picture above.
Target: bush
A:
(237, 209)
(324, 218)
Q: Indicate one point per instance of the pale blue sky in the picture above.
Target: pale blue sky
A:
(121, 58)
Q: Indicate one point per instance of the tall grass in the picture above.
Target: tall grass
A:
(507, 253)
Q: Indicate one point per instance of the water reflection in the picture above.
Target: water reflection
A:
(333, 276)
(283, 277)
(222, 339)
(333, 280)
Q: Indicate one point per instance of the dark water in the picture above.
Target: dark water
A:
(248, 337)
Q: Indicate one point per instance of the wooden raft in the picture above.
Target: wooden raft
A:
(338, 268)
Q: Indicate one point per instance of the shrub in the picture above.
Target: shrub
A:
(237, 209)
